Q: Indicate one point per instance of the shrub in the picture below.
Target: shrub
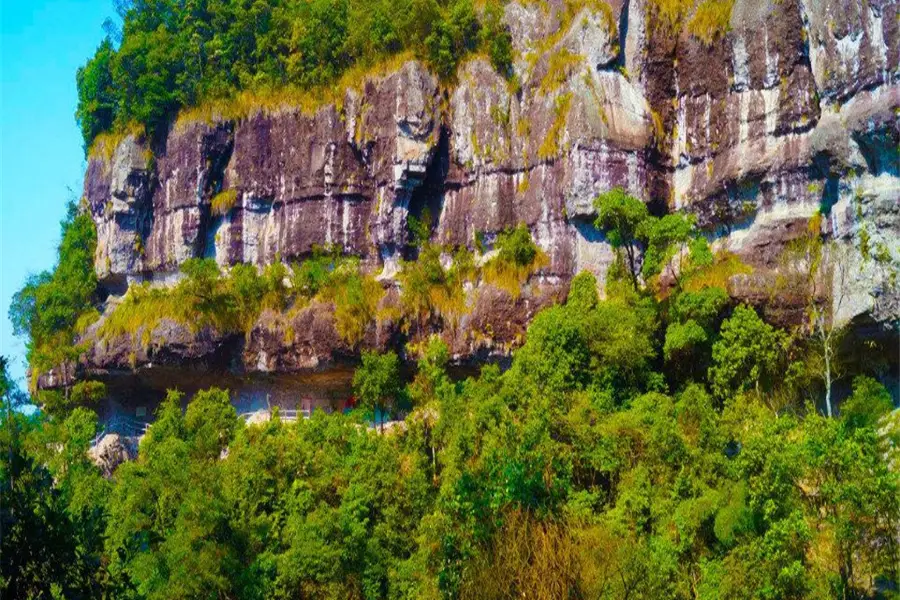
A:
(223, 202)
(746, 355)
(517, 259)
(377, 382)
(583, 292)
(49, 308)
(355, 297)
(428, 290)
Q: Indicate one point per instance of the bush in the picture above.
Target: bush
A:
(747, 354)
(517, 259)
(428, 290)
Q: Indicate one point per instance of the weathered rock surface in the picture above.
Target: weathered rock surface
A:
(111, 451)
(797, 107)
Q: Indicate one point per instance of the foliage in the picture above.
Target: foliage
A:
(549, 148)
(659, 250)
(232, 302)
(694, 319)
(517, 259)
(429, 291)
(495, 37)
(747, 354)
(376, 382)
(355, 297)
(711, 20)
(620, 216)
(223, 202)
(175, 54)
(574, 473)
(48, 307)
(97, 102)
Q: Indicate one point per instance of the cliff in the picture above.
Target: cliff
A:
(794, 108)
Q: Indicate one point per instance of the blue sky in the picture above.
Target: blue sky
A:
(43, 44)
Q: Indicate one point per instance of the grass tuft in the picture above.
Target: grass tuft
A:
(549, 148)
(711, 20)
(223, 202)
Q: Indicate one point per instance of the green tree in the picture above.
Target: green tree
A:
(621, 216)
(747, 354)
(376, 382)
(97, 101)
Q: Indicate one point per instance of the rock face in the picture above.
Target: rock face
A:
(795, 107)
(111, 451)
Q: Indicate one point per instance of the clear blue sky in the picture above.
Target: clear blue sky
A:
(43, 44)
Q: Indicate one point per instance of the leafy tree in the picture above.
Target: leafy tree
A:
(666, 238)
(869, 402)
(621, 218)
(170, 55)
(495, 36)
(452, 37)
(97, 101)
(824, 276)
(692, 329)
(210, 423)
(857, 493)
(746, 355)
(377, 382)
(583, 292)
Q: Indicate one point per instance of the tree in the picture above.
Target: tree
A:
(97, 105)
(693, 324)
(746, 355)
(620, 216)
(376, 382)
(583, 292)
(38, 540)
(825, 278)
(856, 491)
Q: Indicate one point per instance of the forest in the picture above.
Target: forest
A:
(171, 54)
(655, 441)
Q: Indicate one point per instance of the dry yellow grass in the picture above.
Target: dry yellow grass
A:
(273, 100)
(550, 147)
(223, 202)
(711, 20)
(104, 145)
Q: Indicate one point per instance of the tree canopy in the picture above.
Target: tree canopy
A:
(169, 54)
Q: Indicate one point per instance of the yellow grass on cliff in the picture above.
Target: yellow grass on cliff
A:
(272, 100)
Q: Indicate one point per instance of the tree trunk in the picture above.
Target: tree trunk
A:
(826, 342)
(632, 269)
(828, 382)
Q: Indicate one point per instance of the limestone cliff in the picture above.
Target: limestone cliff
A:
(795, 107)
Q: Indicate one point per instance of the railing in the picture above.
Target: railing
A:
(285, 414)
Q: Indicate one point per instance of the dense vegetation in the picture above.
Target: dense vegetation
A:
(54, 306)
(170, 54)
(580, 472)
(658, 443)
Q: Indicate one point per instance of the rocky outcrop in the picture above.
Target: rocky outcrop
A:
(792, 110)
(111, 451)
